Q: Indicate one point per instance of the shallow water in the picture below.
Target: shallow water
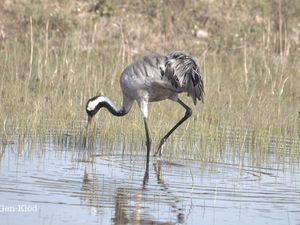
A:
(53, 184)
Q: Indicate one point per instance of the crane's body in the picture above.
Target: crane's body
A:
(154, 78)
(143, 80)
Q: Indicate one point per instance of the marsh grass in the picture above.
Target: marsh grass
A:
(251, 78)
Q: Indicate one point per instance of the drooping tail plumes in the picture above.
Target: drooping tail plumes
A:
(183, 72)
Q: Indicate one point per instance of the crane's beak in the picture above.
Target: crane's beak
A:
(90, 120)
(90, 123)
(90, 127)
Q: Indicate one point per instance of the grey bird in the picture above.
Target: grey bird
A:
(154, 78)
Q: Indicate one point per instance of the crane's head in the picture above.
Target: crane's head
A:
(92, 107)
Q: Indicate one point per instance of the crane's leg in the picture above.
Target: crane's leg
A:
(144, 108)
(188, 113)
(148, 140)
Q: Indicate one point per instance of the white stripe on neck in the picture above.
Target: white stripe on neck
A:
(92, 104)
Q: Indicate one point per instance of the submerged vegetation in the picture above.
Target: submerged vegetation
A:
(55, 55)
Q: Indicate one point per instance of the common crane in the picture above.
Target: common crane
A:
(154, 78)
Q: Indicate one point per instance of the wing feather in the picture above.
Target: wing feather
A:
(184, 74)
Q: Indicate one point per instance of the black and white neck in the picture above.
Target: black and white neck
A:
(96, 103)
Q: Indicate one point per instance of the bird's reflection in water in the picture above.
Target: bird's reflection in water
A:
(131, 204)
(123, 213)
(159, 177)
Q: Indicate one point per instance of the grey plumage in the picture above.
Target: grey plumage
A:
(157, 77)
(154, 78)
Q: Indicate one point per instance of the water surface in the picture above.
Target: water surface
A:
(53, 184)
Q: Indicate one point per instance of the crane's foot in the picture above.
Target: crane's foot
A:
(160, 148)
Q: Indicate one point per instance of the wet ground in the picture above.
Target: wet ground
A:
(50, 184)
